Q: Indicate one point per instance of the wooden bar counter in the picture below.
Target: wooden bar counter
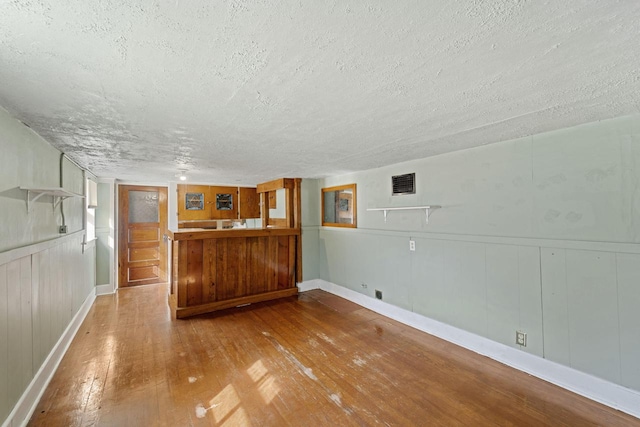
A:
(218, 269)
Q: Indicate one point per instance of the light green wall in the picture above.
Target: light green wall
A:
(310, 195)
(538, 234)
(27, 160)
(576, 184)
(103, 211)
(280, 210)
(42, 287)
(104, 234)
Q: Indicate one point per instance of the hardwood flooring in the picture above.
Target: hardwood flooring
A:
(310, 360)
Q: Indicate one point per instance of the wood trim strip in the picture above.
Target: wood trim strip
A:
(194, 271)
(272, 269)
(282, 260)
(292, 260)
(279, 222)
(297, 224)
(191, 234)
(183, 258)
(264, 209)
(209, 270)
(276, 184)
(289, 208)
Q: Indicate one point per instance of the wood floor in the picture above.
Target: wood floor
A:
(310, 360)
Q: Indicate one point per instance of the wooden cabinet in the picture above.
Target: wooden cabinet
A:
(249, 203)
(211, 202)
(193, 202)
(223, 202)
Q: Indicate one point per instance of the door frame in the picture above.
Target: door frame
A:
(162, 188)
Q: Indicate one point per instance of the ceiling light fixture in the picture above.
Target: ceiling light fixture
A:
(182, 176)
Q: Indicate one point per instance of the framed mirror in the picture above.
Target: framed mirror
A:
(339, 206)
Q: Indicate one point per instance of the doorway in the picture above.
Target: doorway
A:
(142, 249)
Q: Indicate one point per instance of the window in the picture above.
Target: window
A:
(339, 206)
(91, 204)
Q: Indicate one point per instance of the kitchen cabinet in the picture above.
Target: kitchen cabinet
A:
(213, 202)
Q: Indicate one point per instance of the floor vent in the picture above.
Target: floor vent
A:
(403, 184)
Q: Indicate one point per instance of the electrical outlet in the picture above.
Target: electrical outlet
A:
(62, 229)
(412, 245)
(521, 338)
(378, 294)
(364, 286)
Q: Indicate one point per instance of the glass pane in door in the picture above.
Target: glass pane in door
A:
(143, 206)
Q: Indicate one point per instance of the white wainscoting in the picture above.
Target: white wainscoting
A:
(46, 289)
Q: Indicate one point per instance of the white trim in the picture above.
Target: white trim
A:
(586, 245)
(309, 285)
(210, 183)
(21, 413)
(113, 252)
(90, 175)
(143, 184)
(107, 289)
(602, 391)
(17, 253)
(89, 244)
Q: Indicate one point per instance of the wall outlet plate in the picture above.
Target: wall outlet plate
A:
(521, 338)
(378, 294)
(412, 245)
(62, 229)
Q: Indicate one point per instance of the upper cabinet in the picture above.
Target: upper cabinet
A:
(249, 203)
(205, 202)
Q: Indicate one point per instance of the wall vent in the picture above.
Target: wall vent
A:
(403, 184)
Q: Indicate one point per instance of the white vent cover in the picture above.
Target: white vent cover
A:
(403, 184)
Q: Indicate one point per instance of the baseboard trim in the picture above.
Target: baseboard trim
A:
(597, 389)
(310, 285)
(105, 289)
(21, 413)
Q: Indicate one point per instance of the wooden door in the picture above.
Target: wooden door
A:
(142, 250)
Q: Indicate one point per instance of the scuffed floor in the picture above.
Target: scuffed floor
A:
(314, 359)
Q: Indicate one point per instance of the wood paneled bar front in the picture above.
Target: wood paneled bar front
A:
(224, 268)
(218, 269)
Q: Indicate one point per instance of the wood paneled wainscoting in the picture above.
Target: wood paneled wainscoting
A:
(45, 291)
(218, 269)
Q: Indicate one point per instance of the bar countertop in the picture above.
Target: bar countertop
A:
(204, 233)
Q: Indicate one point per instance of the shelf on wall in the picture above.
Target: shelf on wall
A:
(58, 194)
(427, 210)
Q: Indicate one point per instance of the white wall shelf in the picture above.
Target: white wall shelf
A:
(58, 194)
(427, 210)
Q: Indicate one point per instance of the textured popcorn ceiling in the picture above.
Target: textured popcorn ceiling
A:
(247, 91)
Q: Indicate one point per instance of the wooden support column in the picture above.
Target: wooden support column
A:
(264, 209)
(297, 224)
(293, 209)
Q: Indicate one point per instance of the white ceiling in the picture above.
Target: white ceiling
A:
(248, 91)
